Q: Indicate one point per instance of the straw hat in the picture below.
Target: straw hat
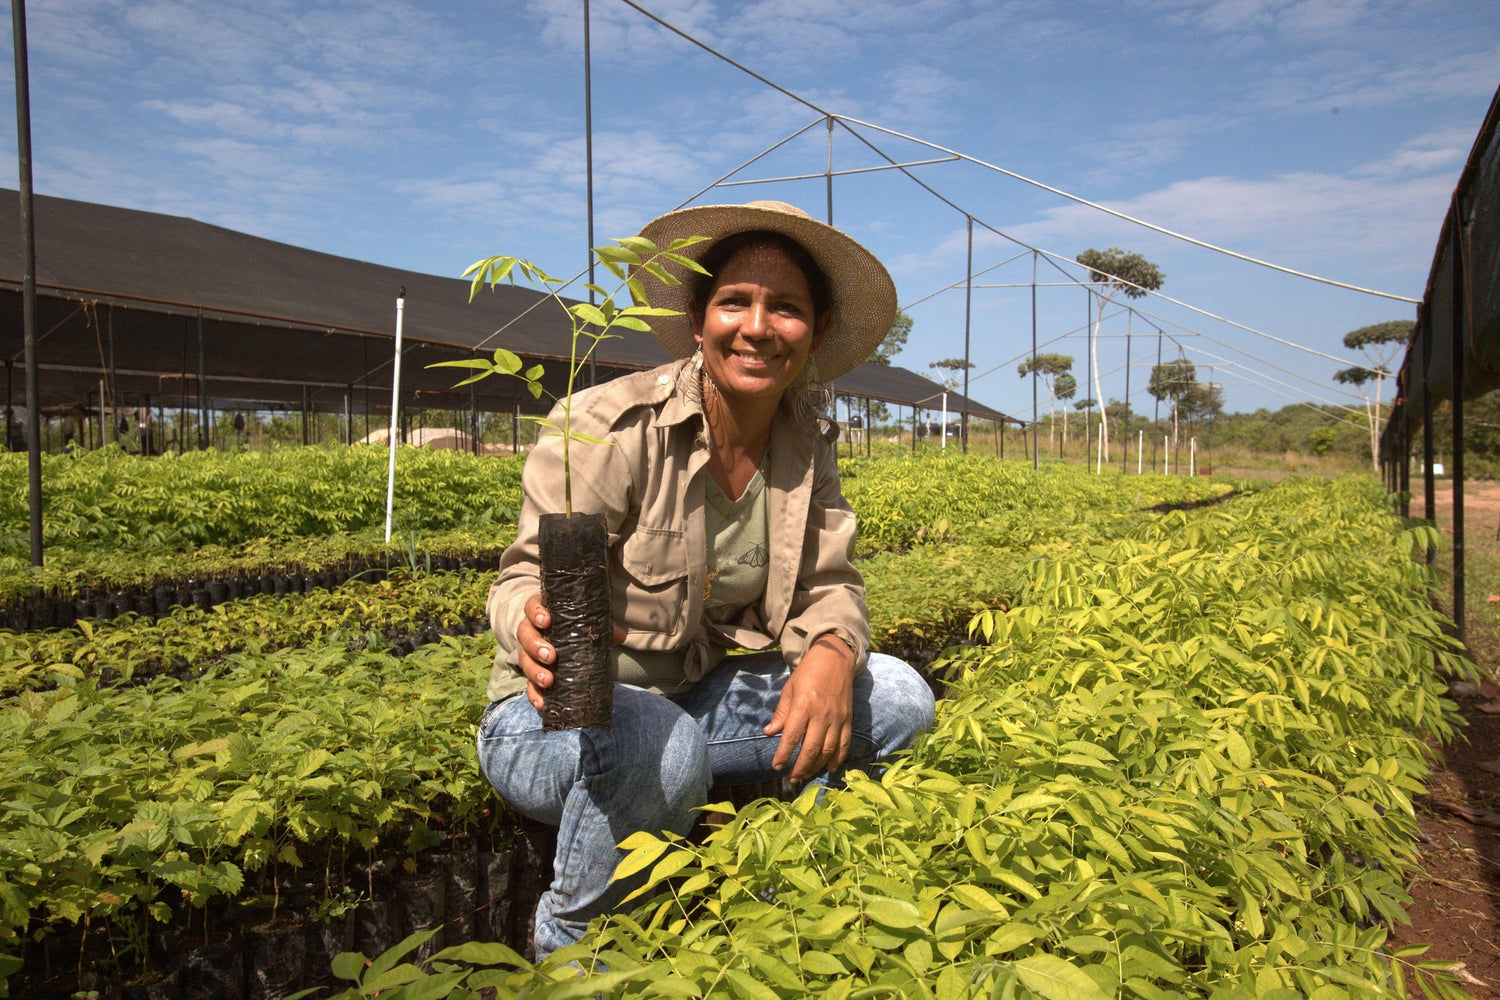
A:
(864, 297)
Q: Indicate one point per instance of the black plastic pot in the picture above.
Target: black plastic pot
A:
(461, 898)
(497, 873)
(218, 591)
(422, 903)
(574, 555)
(275, 961)
(326, 940)
(213, 972)
(152, 987)
(377, 926)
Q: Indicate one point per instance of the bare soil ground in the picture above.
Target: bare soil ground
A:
(1456, 902)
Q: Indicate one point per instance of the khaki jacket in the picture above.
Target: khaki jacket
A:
(650, 485)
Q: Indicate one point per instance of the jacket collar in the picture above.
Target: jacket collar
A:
(673, 389)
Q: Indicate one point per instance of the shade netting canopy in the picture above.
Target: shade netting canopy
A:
(136, 307)
(1458, 323)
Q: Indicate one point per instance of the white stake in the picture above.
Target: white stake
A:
(1140, 449)
(390, 476)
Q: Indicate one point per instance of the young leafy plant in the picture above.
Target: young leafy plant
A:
(592, 324)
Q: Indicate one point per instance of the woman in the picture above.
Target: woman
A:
(742, 638)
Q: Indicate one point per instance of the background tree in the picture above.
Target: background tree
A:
(1173, 380)
(1380, 343)
(1048, 367)
(892, 345)
(953, 366)
(895, 339)
(1065, 387)
(1086, 407)
(1115, 271)
(1204, 401)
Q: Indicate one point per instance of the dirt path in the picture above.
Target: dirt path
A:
(1456, 904)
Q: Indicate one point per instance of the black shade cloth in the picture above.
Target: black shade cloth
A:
(135, 304)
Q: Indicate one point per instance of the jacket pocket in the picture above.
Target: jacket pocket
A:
(650, 582)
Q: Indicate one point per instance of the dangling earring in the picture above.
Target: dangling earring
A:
(698, 360)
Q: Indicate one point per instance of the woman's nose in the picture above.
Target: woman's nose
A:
(757, 321)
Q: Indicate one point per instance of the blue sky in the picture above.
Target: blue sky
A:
(1324, 136)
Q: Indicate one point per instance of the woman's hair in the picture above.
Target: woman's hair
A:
(714, 259)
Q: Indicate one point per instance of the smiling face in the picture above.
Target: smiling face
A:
(757, 325)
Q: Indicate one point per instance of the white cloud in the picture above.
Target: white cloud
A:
(1442, 151)
(1339, 227)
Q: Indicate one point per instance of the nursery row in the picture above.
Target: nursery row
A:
(283, 716)
(910, 501)
(225, 721)
(122, 802)
(97, 583)
(240, 507)
(1181, 765)
(108, 499)
(365, 613)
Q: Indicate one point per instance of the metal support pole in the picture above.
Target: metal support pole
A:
(828, 179)
(202, 389)
(1156, 411)
(1429, 446)
(1035, 444)
(1125, 427)
(110, 337)
(1403, 473)
(364, 343)
(1088, 376)
(1460, 351)
(869, 429)
(182, 395)
(28, 280)
(588, 157)
(390, 478)
(968, 295)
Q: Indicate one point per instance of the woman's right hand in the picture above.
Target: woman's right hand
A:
(536, 654)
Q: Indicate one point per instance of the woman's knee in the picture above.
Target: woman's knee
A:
(901, 702)
(652, 735)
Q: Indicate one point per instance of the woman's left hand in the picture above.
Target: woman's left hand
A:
(816, 710)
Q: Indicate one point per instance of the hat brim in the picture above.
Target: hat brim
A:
(863, 294)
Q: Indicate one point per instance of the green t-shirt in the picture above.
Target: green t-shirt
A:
(738, 539)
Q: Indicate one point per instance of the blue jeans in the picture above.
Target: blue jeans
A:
(653, 769)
